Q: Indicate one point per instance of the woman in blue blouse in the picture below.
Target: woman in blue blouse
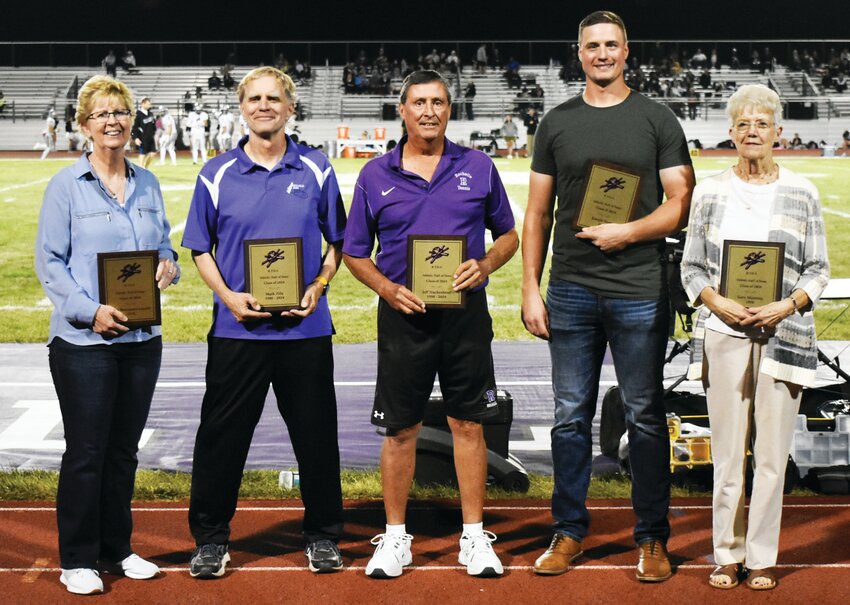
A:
(103, 372)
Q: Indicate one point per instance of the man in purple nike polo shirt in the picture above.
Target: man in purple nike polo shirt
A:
(268, 187)
(429, 186)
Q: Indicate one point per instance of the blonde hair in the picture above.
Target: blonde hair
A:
(754, 96)
(102, 86)
(259, 72)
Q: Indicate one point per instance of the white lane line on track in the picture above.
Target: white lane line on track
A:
(580, 567)
(378, 507)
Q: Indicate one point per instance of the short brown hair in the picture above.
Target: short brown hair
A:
(597, 17)
(102, 86)
(259, 72)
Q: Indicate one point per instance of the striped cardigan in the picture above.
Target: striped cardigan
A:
(791, 353)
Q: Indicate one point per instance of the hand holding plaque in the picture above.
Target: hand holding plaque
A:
(611, 194)
(274, 272)
(127, 281)
(752, 272)
(431, 264)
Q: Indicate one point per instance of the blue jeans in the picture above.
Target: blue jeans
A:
(581, 324)
(105, 394)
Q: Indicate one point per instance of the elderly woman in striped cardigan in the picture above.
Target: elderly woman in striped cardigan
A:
(753, 360)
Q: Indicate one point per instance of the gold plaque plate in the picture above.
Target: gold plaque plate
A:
(431, 263)
(127, 281)
(274, 272)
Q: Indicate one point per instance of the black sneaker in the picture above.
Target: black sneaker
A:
(323, 556)
(209, 561)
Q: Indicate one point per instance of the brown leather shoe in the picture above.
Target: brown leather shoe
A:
(653, 566)
(561, 552)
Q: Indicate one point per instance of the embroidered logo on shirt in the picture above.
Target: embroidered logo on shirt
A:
(463, 180)
(387, 192)
(298, 188)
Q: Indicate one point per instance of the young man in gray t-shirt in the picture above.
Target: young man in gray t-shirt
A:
(606, 284)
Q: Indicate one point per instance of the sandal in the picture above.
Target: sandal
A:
(761, 579)
(725, 577)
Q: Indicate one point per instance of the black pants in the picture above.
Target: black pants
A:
(105, 394)
(238, 376)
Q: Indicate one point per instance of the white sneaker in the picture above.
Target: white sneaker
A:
(81, 580)
(477, 554)
(136, 568)
(391, 555)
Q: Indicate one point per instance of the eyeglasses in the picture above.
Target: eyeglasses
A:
(102, 117)
(761, 126)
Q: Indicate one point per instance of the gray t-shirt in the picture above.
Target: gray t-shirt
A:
(639, 134)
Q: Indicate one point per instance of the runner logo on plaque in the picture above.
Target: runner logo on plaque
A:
(611, 193)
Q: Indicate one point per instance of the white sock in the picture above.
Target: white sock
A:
(395, 529)
(473, 529)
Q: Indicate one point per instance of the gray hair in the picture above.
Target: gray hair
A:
(423, 76)
(755, 96)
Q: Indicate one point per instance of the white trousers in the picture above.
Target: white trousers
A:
(747, 410)
(199, 148)
(166, 143)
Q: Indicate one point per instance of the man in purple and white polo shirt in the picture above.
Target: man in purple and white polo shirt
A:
(267, 187)
(429, 186)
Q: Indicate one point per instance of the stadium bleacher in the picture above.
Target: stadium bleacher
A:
(30, 92)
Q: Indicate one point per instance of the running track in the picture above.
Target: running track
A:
(268, 566)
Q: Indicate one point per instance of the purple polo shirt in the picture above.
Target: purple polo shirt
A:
(236, 199)
(465, 197)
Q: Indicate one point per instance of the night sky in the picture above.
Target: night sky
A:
(305, 20)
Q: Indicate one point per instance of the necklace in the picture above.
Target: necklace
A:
(764, 178)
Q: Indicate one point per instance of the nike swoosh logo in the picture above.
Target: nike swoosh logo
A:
(387, 191)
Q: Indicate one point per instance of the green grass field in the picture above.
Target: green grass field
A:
(24, 309)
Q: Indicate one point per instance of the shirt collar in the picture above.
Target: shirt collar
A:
(291, 158)
(450, 149)
(83, 167)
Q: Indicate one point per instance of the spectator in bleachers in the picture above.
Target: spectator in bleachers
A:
(796, 142)
(755, 60)
(714, 63)
(110, 63)
(214, 82)
(841, 82)
(453, 62)
(468, 96)
(481, 58)
(734, 61)
(705, 79)
(128, 62)
(699, 60)
(495, 57)
(511, 73)
(2, 102)
(537, 93)
(845, 139)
